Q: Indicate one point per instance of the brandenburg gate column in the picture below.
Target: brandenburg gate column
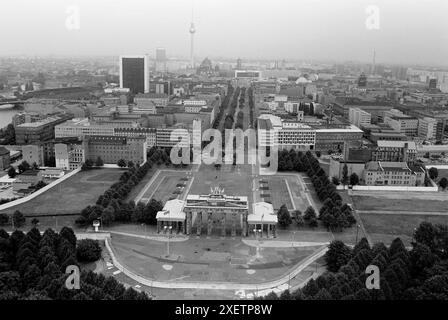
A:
(233, 224)
(209, 224)
(188, 224)
(245, 224)
(223, 224)
(199, 218)
(158, 226)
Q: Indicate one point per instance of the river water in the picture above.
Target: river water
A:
(6, 116)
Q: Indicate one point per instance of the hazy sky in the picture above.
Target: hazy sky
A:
(410, 31)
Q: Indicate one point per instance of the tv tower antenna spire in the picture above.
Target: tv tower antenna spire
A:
(192, 32)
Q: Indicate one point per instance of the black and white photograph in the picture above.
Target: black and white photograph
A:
(223, 158)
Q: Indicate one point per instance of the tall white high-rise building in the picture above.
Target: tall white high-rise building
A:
(359, 117)
(160, 64)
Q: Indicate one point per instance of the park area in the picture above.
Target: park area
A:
(71, 195)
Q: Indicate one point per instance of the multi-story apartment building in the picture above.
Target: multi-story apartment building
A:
(39, 131)
(334, 139)
(358, 117)
(291, 106)
(393, 174)
(33, 154)
(70, 156)
(5, 158)
(82, 127)
(402, 123)
(113, 148)
(427, 128)
(285, 134)
(149, 133)
(192, 102)
(166, 137)
(395, 151)
(159, 99)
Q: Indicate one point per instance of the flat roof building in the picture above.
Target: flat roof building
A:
(111, 149)
(134, 73)
(39, 131)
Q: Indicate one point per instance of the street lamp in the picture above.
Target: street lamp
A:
(357, 231)
(146, 233)
(289, 281)
(169, 237)
(256, 231)
(293, 236)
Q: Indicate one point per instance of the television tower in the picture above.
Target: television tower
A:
(373, 62)
(192, 32)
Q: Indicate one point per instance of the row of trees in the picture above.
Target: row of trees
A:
(224, 105)
(18, 219)
(32, 267)
(22, 167)
(242, 99)
(89, 164)
(239, 120)
(250, 93)
(229, 119)
(433, 173)
(8, 134)
(334, 214)
(111, 206)
(417, 274)
(353, 179)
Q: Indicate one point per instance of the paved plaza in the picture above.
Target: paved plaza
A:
(208, 260)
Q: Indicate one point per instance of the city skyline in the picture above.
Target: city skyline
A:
(308, 30)
(234, 151)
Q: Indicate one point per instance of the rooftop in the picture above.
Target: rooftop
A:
(172, 211)
(351, 128)
(38, 123)
(4, 151)
(151, 95)
(396, 144)
(262, 212)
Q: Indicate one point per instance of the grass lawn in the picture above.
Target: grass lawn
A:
(167, 186)
(71, 195)
(386, 227)
(279, 193)
(387, 204)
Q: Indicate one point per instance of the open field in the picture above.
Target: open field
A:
(400, 204)
(71, 195)
(386, 227)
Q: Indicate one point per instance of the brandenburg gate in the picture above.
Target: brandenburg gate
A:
(216, 207)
